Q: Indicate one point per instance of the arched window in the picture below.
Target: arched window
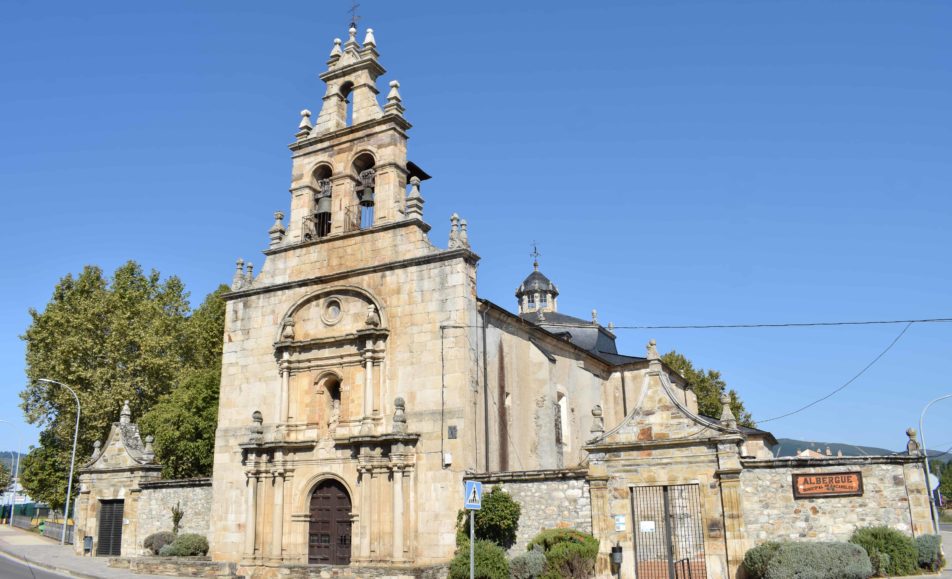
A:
(366, 183)
(319, 222)
(562, 438)
(347, 112)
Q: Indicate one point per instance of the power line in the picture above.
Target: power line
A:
(785, 325)
(848, 382)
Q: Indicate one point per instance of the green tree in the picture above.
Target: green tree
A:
(708, 386)
(5, 478)
(126, 338)
(497, 520)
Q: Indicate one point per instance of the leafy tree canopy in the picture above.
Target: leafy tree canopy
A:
(131, 337)
(5, 478)
(708, 385)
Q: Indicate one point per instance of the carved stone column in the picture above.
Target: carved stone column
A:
(277, 517)
(366, 426)
(251, 509)
(283, 412)
(398, 510)
(365, 513)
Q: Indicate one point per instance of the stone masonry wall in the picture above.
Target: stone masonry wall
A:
(890, 494)
(157, 499)
(549, 500)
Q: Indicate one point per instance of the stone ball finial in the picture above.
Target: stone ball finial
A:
(399, 415)
(399, 402)
(394, 84)
(336, 51)
(415, 181)
(369, 39)
(305, 113)
(97, 445)
(725, 399)
(256, 417)
(126, 415)
(652, 348)
(911, 432)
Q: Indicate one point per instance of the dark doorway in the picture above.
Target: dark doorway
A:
(329, 533)
(666, 524)
(110, 529)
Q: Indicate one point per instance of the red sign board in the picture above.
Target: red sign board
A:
(827, 484)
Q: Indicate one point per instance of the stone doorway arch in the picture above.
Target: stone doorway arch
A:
(329, 529)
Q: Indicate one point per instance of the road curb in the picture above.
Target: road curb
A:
(62, 571)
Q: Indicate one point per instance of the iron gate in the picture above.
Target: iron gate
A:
(110, 528)
(669, 540)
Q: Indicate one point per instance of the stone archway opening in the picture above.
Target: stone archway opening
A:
(329, 531)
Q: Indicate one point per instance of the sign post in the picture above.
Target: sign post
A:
(473, 500)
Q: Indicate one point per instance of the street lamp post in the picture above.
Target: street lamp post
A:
(72, 461)
(925, 453)
(16, 473)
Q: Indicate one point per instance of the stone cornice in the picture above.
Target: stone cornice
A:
(446, 255)
(351, 133)
(794, 462)
(425, 227)
(663, 443)
(176, 483)
(528, 475)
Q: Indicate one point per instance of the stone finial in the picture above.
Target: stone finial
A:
(373, 318)
(239, 278)
(149, 452)
(369, 39)
(256, 417)
(394, 100)
(304, 127)
(125, 416)
(912, 446)
(454, 232)
(399, 416)
(336, 52)
(97, 449)
(250, 274)
(839, 453)
(277, 231)
(653, 350)
(539, 315)
(611, 326)
(415, 201)
(463, 233)
(287, 329)
(256, 429)
(594, 317)
(727, 415)
(828, 451)
(598, 422)
(352, 31)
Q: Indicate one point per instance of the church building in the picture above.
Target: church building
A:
(364, 381)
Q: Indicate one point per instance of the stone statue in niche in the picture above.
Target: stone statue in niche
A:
(334, 418)
(373, 318)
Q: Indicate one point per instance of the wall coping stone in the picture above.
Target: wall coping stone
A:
(528, 475)
(177, 483)
(795, 462)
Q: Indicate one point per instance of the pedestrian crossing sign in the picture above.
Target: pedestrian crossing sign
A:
(473, 495)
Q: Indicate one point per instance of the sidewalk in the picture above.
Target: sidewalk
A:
(48, 554)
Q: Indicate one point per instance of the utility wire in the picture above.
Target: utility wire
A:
(785, 325)
(848, 382)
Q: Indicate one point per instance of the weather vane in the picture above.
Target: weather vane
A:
(535, 254)
(354, 18)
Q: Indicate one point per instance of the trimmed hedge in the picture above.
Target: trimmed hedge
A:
(490, 561)
(791, 560)
(901, 549)
(930, 552)
(156, 541)
(568, 553)
(186, 545)
(529, 565)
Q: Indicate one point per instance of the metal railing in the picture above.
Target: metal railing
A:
(55, 531)
(23, 521)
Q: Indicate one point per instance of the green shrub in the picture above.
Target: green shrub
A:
(186, 545)
(568, 553)
(490, 561)
(818, 561)
(529, 565)
(930, 552)
(757, 559)
(497, 520)
(880, 563)
(903, 557)
(156, 541)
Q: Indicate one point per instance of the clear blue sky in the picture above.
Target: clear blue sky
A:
(678, 162)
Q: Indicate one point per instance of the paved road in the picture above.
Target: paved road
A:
(10, 569)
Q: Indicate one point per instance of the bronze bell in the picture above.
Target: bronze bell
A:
(323, 204)
(366, 197)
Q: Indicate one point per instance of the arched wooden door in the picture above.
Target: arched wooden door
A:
(329, 531)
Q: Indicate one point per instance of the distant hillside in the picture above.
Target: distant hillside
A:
(7, 457)
(789, 447)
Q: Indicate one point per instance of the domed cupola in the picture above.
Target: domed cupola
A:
(537, 293)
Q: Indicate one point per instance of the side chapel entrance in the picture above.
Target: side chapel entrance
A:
(669, 540)
(329, 530)
(110, 528)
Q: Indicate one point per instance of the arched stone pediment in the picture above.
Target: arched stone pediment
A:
(331, 312)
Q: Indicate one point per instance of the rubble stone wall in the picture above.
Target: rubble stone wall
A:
(157, 499)
(893, 495)
(549, 500)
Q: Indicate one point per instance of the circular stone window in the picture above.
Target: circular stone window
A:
(332, 311)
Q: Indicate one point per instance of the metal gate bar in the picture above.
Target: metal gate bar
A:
(667, 532)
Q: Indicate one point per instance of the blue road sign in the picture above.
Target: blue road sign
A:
(473, 495)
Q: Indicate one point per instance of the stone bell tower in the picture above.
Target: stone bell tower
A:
(347, 370)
